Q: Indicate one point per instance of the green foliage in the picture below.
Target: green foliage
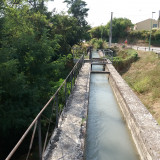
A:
(99, 32)
(124, 58)
(147, 79)
(156, 36)
(120, 29)
(78, 51)
(98, 43)
(67, 27)
(34, 59)
(144, 78)
(77, 8)
(142, 85)
(138, 35)
(144, 35)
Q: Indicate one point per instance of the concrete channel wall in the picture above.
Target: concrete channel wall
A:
(68, 140)
(144, 129)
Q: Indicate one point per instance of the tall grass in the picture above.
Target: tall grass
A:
(144, 78)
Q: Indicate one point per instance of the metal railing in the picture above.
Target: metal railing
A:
(60, 95)
(156, 50)
(78, 51)
(107, 53)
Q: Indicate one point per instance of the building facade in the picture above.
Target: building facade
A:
(146, 25)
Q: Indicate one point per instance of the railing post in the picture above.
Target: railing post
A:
(91, 53)
(75, 75)
(78, 66)
(83, 59)
(73, 53)
(39, 138)
(65, 92)
(56, 98)
(71, 78)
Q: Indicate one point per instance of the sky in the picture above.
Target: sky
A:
(100, 10)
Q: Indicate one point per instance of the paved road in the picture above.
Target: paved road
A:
(154, 49)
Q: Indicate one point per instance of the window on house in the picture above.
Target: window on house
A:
(154, 25)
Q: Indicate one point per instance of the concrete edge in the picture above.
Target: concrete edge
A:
(144, 129)
(57, 131)
(84, 153)
(85, 136)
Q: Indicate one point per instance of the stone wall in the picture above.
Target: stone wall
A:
(144, 129)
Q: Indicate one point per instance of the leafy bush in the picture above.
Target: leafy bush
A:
(98, 43)
(120, 29)
(142, 85)
(124, 58)
(144, 35)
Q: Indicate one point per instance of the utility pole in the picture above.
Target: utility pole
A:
(102, 31)
(110, 33)
(151, 32)
(159, 20)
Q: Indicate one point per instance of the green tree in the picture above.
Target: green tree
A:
(99, 32)
(67, 28)
(77, 8)
(120, 28)
(34, 58)
(29, 64)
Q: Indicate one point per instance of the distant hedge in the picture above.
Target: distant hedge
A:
(144, 35)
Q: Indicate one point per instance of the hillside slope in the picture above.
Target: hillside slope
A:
(143, 77)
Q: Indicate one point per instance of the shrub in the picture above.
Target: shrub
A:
(98, 43)
(142, 85)
(124, 58)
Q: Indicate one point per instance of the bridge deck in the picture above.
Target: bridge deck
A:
(67, 141)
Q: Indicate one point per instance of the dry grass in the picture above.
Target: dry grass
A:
(144, 78)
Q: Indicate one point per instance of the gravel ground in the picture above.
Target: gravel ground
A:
(67, 141)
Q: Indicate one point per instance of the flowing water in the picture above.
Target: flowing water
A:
(107, 135)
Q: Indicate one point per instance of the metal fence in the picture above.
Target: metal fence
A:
(54, 109)
(78, 52)
(156, 50)
(107, 53)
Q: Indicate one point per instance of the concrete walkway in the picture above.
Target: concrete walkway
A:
(67, 142)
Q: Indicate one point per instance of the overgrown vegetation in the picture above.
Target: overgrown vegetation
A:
(134, 36)
(120, 30)
(144, 78)
(124, 58)
(35, 47)
(98, 43)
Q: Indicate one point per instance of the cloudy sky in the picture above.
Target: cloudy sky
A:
(100, 10)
